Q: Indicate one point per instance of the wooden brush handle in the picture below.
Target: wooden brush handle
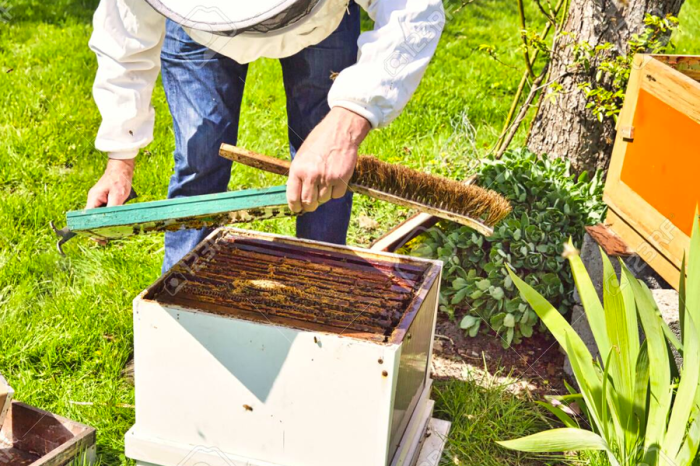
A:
(281, 167)
(252, 159)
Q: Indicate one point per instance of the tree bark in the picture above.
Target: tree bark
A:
(564, 127)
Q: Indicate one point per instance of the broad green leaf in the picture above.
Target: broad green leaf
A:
(560, 414)
(668, 333)
(591, 303)
(659, 370)
(459, 296)
(483, 285)
(589, 381)
(692, 289)
(641, 386)
(630, 315)
(509, 320)
(621, 360)
(468, 321)
(581, 360)
(555, 440)
(605, 400)
(681, 300)
(475, 329)
(687, 389)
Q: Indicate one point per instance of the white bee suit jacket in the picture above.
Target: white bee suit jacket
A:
(128, 36)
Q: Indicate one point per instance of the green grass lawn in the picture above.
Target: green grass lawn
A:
(65, 322)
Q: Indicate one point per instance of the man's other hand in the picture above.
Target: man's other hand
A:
(114, 186)
(324, 164)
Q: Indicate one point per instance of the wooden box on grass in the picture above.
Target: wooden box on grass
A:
(262, 350)
(33, 437)
(652, 187)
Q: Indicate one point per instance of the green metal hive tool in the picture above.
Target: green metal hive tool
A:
(174, 214)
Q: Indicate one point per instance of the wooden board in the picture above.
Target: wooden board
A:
(404, 232)
(651, 187)
(434, 444)
(173, 214)
(6, 394)
(409, 229)
(33, 437)
(645, 250)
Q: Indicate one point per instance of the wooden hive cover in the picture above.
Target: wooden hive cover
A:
(652, 187)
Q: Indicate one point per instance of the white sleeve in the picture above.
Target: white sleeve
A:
(127, 39)
(393, 58)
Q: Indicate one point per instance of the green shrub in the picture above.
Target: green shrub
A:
(639, 408)
(549, 206)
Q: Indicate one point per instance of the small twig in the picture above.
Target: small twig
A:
(463, 5)
(547, 14)
(523, 80)
(523, 34)
(445, 337)
(523, 111)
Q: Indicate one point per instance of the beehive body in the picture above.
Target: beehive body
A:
(259, 392)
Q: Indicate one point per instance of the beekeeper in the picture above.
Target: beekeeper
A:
(339, 85)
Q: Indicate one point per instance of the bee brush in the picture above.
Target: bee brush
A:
(466, 204)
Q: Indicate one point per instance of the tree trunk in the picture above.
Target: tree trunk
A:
(564, 127)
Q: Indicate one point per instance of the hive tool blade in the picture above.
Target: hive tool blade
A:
(64, 234)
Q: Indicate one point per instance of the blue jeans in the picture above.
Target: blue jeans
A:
(204, 92)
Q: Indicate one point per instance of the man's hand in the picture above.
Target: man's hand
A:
(114, 186)
(324, 164)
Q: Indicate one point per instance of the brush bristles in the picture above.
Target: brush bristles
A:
(442, 193)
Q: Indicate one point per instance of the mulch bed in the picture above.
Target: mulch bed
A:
(537, 360)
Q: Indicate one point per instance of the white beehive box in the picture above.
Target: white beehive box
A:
(268, 351)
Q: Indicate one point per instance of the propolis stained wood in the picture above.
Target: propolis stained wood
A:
(652, 186)
(266, 350)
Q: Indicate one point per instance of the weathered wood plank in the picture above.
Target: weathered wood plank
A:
(46, 438)
(6, 394)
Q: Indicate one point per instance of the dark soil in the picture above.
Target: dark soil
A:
(537, 360)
